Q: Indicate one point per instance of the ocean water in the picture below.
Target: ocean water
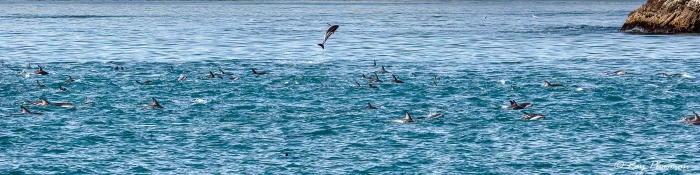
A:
(308, 107)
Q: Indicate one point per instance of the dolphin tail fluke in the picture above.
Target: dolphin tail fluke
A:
(322, 47)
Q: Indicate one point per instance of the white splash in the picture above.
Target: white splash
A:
(502, 81)
(579, 89)
(399, 121)
(200, 101)
(652, 85)
(686, 76)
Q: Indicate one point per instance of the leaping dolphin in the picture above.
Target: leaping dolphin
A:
(329, 32)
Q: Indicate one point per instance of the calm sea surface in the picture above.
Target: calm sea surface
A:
(308, 107)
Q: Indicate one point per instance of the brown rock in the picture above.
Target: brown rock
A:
(664, 17)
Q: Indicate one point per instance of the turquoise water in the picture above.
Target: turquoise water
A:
(308, 107)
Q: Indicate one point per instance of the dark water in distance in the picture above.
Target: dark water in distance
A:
(307, 105)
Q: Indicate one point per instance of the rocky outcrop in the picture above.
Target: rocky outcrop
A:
(664, 17)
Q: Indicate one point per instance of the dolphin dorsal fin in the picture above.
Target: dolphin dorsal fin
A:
(363, 76)
(696, 117)
(392, 75)
(211, 74)
(155, 103)
(329, 24)
(369, 105)
(221, 71)
(375, 76)
(408, 116)
(254, 71)
(375, 63)
(37, 83)
(356, 83)
(43, 101)
(546, 83)
(40, 68)
(24, 110)
(383, 69)
(434, 83)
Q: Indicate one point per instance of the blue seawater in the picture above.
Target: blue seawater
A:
(308, 107)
